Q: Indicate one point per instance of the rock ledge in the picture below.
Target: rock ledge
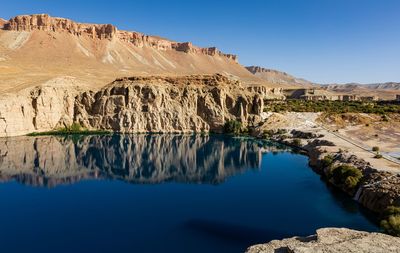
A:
(332, 240)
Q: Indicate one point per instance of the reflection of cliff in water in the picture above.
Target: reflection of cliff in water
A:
(49, 161)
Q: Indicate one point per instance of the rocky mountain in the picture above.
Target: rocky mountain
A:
(193, 103)
(375, 86)
(278, 77)
(37, 48)
(385, 86)
(386, 91)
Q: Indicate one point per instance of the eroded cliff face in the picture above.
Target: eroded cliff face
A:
(50, 161)
(39, 109)
(184, 104)
(197, 103)
(47, 23)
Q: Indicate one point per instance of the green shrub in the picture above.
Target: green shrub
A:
(74, 129)
(296, 142)
(299, 105)
(392, 210)
(375, 149)
(327, 161)
(233, 127)
(345, 175)
(391, 222)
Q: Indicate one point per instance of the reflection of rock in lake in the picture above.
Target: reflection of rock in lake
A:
(49, 161)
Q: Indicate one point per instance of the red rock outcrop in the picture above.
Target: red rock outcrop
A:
(2, 22)
(44, 22)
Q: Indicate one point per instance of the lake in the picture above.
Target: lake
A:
(161, 193)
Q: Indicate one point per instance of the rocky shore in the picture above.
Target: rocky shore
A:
(332, 240)
(376, 190)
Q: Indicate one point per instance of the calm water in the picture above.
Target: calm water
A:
(160, 193)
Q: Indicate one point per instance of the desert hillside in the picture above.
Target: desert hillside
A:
(386, 91)
(278, 77)
(37, 48)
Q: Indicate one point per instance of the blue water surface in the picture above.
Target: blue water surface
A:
(160, 193)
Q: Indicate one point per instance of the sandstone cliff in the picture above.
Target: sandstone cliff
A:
(332, 240)
(44, 22)
(197, 103)
(183, 104)
(37, 48)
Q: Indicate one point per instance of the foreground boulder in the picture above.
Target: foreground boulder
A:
(332, 240)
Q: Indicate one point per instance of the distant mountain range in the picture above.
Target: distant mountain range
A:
(278, 77)
(376, 86)
(386, 90)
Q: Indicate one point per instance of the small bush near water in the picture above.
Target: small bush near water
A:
(327, 161)
(74, 129)
(296, 142)
(345, 175)
(391, 221)
(233, 127)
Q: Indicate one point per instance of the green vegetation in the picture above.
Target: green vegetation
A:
(391, 221)
(274, 132)
(345, 175)
(299, 105)
(327, 161)
(74, 129)
(233, 127)
(375, 149)
(296, 142)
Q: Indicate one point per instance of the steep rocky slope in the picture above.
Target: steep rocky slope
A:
(2, 22)
(36, 48)
(192, 103)
(278, 77)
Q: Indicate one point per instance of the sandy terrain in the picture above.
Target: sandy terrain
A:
(30, 58)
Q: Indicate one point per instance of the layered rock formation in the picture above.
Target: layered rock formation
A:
(197, 103)
(44, 22)
(38, 48)
(38, 109)
(50, 161)
(183, 104)
(332, 240)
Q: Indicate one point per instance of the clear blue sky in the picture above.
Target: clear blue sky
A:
(321, 40)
